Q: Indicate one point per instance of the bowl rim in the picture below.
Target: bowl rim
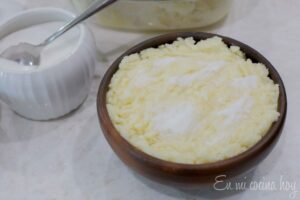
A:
(208, 168)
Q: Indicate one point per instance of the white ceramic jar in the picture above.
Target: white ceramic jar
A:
(9, 8)
(51, 92)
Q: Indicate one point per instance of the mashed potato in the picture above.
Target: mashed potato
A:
(191, 102)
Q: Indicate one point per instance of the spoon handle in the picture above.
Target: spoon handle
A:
(96, 6)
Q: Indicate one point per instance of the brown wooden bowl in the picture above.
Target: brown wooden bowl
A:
(189, 175)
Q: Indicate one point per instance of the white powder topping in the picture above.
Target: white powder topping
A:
(142, 78)
(216, 139)
(177, 119)
(237, 110)
(164, 62)
(212, 66)
(248, 82)
(234, 112)
(209, 69)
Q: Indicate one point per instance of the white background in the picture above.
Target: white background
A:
(69, 159)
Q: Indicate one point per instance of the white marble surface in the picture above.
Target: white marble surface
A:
(69, 159)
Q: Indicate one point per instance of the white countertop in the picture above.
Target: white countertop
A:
(69, 159)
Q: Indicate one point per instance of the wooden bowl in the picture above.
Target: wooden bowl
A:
(189, 175)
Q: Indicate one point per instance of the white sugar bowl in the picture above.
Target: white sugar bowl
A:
(43, 93)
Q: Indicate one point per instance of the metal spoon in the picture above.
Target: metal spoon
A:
(29, 54)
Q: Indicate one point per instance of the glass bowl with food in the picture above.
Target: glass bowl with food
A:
(159, 15)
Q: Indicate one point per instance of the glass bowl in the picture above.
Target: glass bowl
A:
(151, 15)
